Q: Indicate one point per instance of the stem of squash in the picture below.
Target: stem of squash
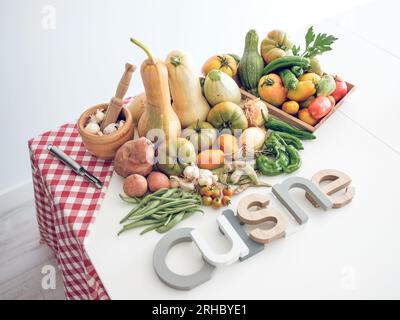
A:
(144, 48)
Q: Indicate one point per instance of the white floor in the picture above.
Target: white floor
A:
(22, 257)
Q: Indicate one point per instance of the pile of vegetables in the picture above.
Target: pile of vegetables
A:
(201, 144)
(295, 82)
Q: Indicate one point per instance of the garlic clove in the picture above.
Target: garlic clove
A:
(93, 119)
(99, 115)
(120, 124)
(92, 127)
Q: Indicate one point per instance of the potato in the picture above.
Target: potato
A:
(134, 156)
(135, 185)
(157, 180)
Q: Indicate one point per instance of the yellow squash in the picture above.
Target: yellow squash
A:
(188, 100)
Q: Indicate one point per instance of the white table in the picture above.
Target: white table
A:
(352, 252)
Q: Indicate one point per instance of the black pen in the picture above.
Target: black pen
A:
(75, 166)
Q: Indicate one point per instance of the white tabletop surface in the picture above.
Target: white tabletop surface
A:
(352, 252)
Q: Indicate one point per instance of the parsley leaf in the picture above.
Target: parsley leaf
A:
(315, 44)
(310, 37)
(296, 50)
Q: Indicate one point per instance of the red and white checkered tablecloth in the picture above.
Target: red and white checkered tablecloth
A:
(66, 206)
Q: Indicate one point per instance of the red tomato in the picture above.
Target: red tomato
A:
(320, 107)
(226, 200)
(228, 191)
(341, 89)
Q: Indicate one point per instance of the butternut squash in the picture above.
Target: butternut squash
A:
(158, 113)
(188, 101)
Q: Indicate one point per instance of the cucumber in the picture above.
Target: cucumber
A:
(289, 79)
(286, 62)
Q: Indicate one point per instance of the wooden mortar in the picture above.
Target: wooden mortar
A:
(105, 147)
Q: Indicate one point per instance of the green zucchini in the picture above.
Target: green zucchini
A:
(251, 65)
(289, 79)
(286, 62)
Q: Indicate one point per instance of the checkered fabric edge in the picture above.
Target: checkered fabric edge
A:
(66, 206)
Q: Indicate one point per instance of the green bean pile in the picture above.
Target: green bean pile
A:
(161, 210)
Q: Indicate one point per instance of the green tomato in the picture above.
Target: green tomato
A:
(227, 115)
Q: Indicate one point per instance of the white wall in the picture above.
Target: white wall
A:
(49, 76)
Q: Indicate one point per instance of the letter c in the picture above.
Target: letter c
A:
(170, 278)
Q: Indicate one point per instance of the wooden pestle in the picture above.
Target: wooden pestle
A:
(116, 103)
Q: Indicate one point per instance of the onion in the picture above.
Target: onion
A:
(252, 139)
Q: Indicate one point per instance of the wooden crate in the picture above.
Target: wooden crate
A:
(279, 113)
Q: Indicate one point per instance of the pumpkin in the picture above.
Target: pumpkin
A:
(227, 115)
(188, 101)
(223, 62)
(276, 45)
(210, 159)
(158, 114)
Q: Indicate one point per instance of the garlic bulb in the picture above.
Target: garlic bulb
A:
(191, 172)
(110, 128)
(92, 127)
(205, 181)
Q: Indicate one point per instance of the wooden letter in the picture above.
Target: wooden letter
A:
(261, 215)
(339, 180)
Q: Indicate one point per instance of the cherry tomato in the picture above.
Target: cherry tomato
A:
(341, 89)
(291, 107)
(206, 191)
(228, 191)
(320, 107)
(216, 193)
(226, 201)
(216, 203)
(207, 200)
